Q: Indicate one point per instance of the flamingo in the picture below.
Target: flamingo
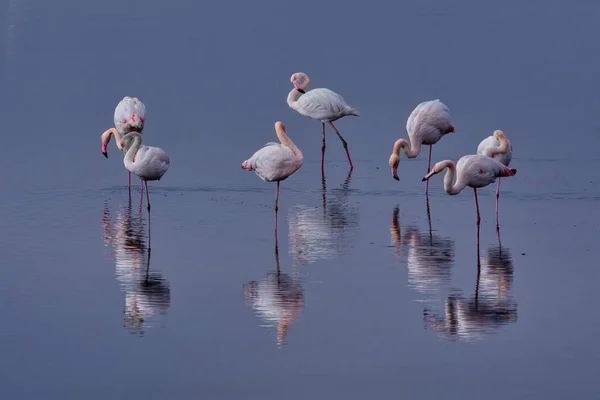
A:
(499, 148)
(275, 162)
(321, 104)
(475, 171)
(130, 115)
(148, 163)
(427, 124)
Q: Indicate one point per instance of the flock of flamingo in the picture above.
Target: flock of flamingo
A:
(275, 162)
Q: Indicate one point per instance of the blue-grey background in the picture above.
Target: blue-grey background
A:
(369, 302)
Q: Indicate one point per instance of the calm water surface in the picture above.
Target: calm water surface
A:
(373, 289)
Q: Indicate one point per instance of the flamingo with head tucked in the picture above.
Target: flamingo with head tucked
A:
(275, 162)
(320, 104)
(499, 148)
(427, 124)
(130, 115)
(475, 171)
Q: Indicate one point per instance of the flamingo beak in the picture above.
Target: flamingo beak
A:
(104, 150)
(395, 173)
(429, 175)
(298, 88)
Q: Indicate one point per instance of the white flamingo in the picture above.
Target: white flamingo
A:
(499, 148)
(474, 170)
(427, 124)
(130, 116)
(321, 104)
(148, 163)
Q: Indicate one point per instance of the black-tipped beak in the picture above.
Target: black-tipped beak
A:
(424, 179)
(105, 154)
(396, 178)
(301, 91)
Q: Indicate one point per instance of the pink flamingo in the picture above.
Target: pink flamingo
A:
(427, 124)
(130, 115)
(475, 171)
(499, 148)
(321, 104)
(275, 162)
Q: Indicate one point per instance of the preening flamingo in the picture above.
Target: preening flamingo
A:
(275, 162)
(148, 163)
(499, 148)
(474, 170)
(130, 115)
(427, 124)
(321, 104)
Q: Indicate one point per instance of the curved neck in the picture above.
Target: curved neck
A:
(107, 134)
(503, 148)
(305, 81)
(287, 142)
(411, 150)
(448, 186)
(292, 97)
(133, 149)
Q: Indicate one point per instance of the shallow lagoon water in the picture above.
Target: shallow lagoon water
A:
(377, 294)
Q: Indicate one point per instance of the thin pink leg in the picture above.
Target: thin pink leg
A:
(344, 143)
(276, 207)
(497, 198)
(141, 185)
(428, 169)
(478, 217)
(128, 180)
(323, 152)
(147, 195)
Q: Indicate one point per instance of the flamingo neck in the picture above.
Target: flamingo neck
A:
(503, 148)
(108, 133)
(287, 142)
(411, 150)
(292, 97)
(133, 149)
(460, 181)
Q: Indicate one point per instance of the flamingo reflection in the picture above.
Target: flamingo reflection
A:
(488, 309)
(147, 293)
(326, 231)
(429, 257)
(277, 299)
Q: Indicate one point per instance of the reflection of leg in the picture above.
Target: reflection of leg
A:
(141, 185)
(128, 180)
(323, 151)
(497, 198)
(428, 169)
(344, 143)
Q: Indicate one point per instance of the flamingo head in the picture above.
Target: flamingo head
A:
(300, 81)
(246, 166)
(104, 150)
(437, 168)
(499, 135)
(394, 163)
(450, 128)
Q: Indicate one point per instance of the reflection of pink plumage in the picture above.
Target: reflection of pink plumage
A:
(499, 148)
(474, 170)
(275, 162)
(130, 116)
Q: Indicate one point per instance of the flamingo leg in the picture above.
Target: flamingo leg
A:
(428, 169)
(276, 207)
(141, 185)
(497, 198)
(323, 151)
(147, 195)
(478, 217)
(128, 180)
(344, 143)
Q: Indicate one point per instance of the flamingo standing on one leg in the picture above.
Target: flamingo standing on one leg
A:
(321, 104)
(475, 171)
(148, 163)
(275, 162)
(130, 115)
(499, 148)
(427, 124)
